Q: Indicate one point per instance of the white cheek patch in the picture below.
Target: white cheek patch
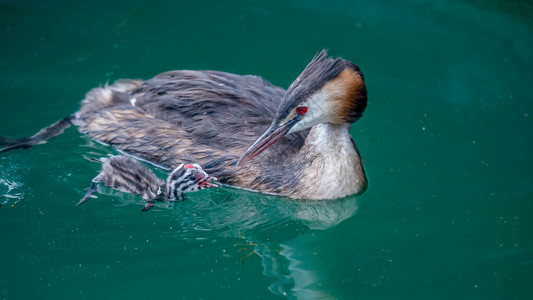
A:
(319, 110)
(132, 101)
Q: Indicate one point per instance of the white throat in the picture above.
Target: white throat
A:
(335, 169)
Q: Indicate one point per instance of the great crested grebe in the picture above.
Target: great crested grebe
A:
(127, 175)
(212, 118)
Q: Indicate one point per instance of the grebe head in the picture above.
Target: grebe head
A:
(328, 90)
(187, 178)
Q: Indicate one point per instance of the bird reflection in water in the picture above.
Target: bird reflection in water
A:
(274, 229)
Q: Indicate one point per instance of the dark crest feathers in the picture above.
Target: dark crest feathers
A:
(316, 74)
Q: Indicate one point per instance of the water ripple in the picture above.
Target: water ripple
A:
(230, 212)
(8, 190)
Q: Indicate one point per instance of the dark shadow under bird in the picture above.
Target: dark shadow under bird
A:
(241, 129)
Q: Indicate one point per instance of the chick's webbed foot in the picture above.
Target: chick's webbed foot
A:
(149, 205)
(93, 188)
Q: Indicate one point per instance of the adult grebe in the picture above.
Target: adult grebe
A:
(128, 175)
(212, 118)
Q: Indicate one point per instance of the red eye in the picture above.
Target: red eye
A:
(301, 110)
(187, 166)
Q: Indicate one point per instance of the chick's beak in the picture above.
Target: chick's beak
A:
(267, 139)
(204, 184)
(203, 180)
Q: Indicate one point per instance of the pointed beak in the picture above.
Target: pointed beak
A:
(267, 139)
(204, 180)
(205, 184)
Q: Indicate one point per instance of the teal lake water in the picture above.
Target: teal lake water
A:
(446, 140)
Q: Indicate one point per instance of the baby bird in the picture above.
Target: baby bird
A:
(187, 178)
(128, 175)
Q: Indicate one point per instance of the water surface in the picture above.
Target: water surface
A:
(446, 142)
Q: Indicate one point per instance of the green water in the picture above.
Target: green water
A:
(446, 142)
